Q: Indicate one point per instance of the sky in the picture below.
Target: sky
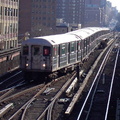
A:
(115, 3)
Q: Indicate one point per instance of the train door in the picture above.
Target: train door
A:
(92, 43)
(79, 55)
(63, 55)
(68, 54)
(85, 44)
(73, 53)
(36, 55)
(55, 58)
(81, 49)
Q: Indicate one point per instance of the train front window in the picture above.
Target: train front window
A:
(25, 50)
(36, 50)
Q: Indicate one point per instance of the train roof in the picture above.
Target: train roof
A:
(52, 39)
(64, 38)
(86, 32)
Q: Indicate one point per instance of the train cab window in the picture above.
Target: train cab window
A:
(46, 51)
(25, 50)
(36, 50)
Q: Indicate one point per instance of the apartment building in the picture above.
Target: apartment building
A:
(71, 11)
(9, 24)
(95, 11)
(37, 18)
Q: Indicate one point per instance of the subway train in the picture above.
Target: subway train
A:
(48, 55)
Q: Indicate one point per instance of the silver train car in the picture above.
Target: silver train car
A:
(58, 53)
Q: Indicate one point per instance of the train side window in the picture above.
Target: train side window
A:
(55, 51)
(81, 44)
(72, 47)
(68, 48)
(78, 45)
(46, 51)
(63, 49)
(89, 41)
(93, 38)
(85, 42)
(25, 50)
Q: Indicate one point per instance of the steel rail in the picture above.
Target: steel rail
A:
(95, 89)
(27, 104)
(49, 114)
(108, 103)
(79, 92)
(56, 97)
(94, 95)
(80, 113)
(10, 77)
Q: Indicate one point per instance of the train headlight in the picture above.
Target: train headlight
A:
(27, 65)
(44, 65)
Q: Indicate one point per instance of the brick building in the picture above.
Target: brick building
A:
(8, 24)
(95, 12)
(71, 11)
(37, 17)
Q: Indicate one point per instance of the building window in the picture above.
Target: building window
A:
(5, 10)
(1, 10)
